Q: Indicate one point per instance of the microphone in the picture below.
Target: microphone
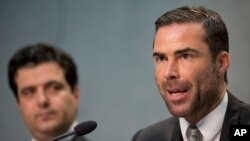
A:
(79, 130)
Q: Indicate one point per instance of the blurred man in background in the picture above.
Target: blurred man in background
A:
(45, 84)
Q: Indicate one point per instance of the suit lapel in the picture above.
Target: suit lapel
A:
(175, 132)
(231, 117)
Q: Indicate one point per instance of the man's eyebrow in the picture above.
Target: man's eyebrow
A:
(157, 54)
(53, 82)
(187, 49)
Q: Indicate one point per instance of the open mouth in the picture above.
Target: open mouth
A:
(176, 92)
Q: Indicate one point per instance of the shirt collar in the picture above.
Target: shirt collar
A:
(208, 129)
(70, 129)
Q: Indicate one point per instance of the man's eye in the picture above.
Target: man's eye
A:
(185, 56)
(27, 92)
(54, 88)
(57, 87)
(159, 58)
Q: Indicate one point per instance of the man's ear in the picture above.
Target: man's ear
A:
(222, 63)
(17, 97)
(18, 102)
(76, 93)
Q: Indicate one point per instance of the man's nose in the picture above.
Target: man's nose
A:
(42, 98)
(171, 70)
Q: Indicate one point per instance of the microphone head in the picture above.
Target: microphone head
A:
(85, 128)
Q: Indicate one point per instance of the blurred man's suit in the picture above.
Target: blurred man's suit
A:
(79, 138)
(169, 129)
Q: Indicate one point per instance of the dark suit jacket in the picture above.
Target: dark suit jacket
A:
(79, 138)
(169, 130)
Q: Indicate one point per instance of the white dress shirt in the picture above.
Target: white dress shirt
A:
(209, 126)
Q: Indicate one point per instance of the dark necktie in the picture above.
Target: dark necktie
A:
(193, 133)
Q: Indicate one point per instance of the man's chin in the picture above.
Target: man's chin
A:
(178, 111)
(50, 126)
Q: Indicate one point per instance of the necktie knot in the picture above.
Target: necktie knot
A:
(193, 133)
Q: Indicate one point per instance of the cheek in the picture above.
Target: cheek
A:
(197, 71)
(159, 73)
(63, 103)
(69, 106)
(158, 79)
(58, 103)
(27, 110)
(205, 78)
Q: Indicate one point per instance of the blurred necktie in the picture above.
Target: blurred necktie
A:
(193, 133)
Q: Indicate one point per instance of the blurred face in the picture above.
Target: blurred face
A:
(45, 99)
(189, 81)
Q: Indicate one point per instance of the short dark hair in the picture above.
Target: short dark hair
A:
(216, 35)
(36, 54)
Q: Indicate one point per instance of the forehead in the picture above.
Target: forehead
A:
(39, 74)
(180, 35)
(180, 31)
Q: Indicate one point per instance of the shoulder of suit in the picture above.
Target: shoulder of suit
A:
(160, 131)
(79, 138)
(160, 126)
(237, 105)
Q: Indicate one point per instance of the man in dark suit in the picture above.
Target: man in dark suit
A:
(45, 84)
(191, 57)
